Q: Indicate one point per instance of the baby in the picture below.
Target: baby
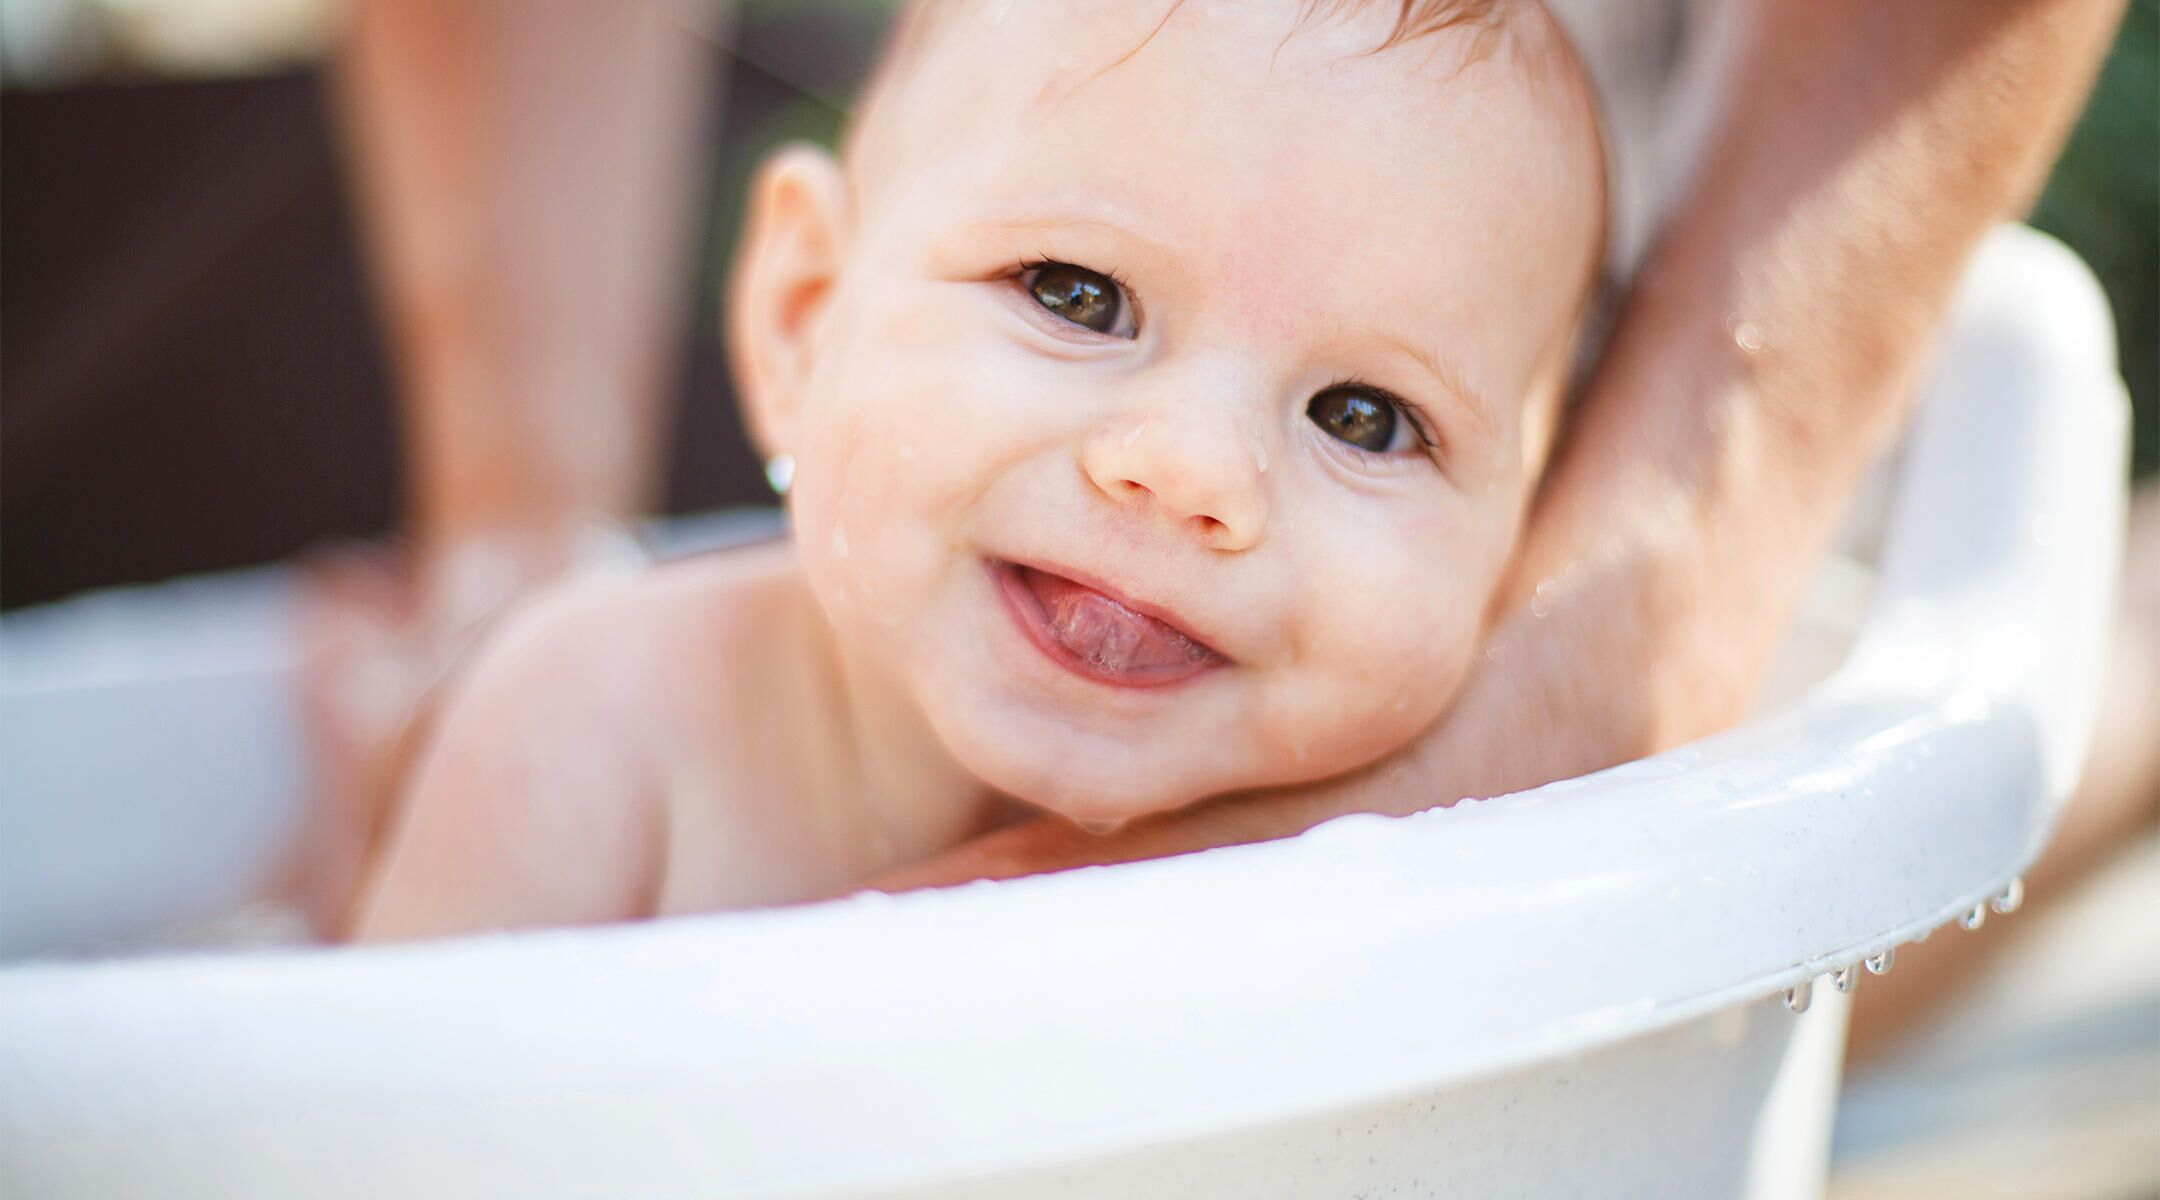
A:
(1163, 386)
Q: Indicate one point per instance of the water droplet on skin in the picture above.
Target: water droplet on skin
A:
(1799, 996)
(1540, 599)
(2010, 899)
(839, 542)
(1133, 435)
(1748, 338)
(1974, 917)
(1260, 455)
(1879, 963)
(1846, 977)
(1100, 826)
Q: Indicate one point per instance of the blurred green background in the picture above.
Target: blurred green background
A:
(2104, 200)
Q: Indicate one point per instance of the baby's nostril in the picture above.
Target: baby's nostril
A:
(1208, 526)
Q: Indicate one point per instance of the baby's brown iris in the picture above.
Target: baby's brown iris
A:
(1357, 417)
(1086, 298)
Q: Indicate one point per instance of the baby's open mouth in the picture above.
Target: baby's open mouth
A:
(1097, 635)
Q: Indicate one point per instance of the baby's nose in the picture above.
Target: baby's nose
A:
(1204, 472)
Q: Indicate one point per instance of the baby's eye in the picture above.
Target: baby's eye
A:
(1364, 418)
(1086, 298)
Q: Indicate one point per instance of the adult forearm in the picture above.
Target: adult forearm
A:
(524, 170)
(1770, 344)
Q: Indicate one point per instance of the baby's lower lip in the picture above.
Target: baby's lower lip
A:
(1095, 636)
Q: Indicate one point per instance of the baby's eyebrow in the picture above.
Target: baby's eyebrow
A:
(1046, 222)
(1474, 403)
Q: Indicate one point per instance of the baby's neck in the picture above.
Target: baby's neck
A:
(912, 798)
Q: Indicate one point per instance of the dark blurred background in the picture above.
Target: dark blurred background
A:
(190, 373)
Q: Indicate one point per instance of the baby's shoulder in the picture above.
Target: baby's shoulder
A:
(716, 672)
(695, 624)
(626, 680)
(597, 745)
(712, 681)
(749, 607)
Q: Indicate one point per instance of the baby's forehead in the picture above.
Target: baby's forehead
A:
(979, 76)
(1257, 146)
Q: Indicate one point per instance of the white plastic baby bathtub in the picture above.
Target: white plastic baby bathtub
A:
(1574, 991)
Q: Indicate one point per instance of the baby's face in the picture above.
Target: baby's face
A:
(1167, 425)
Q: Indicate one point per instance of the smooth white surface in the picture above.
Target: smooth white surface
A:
(1591, 951)
(150, 759)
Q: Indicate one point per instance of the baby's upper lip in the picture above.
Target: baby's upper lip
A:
(1146, 608)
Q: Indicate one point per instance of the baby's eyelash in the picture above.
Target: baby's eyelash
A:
(1112, 274)
(1413, 412)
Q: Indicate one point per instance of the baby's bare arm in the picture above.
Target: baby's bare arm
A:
(533, 803)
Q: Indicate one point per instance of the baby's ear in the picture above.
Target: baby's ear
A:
(793, 242)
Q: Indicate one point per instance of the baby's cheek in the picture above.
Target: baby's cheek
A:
(1380, 660)
(847, 506)
(897, 463)
(1399, 672)
(930, 398)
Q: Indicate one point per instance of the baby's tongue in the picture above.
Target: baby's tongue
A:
(1106, 634)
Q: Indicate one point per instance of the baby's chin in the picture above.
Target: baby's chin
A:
(1086, 786)
(1108, 800)
(1101, 784)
